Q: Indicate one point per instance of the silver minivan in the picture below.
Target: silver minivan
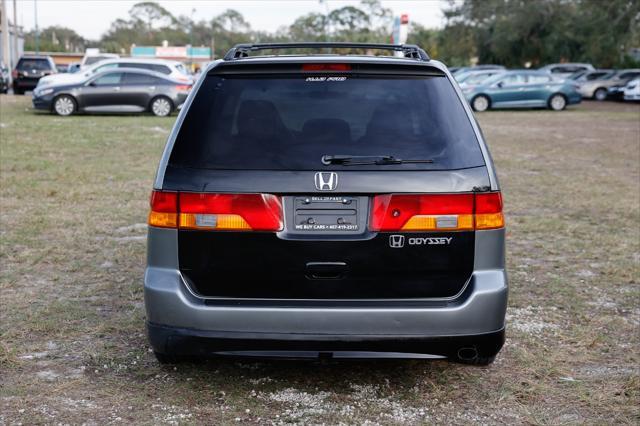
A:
(326, 205)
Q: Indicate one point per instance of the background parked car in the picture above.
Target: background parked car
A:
(121, 90)
(562, 71)
(480, 67)
(522, 89)
(598, 89)
(93, 56)
(632, 90)
(4, 78)
(473, 78)
(584, 75)
(172, 69)
(29, 70)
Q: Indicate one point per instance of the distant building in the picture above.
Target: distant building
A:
(12, 37)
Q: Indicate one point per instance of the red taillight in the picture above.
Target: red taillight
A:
(14, 74)
(436, 212)
(326, 67)
(489, 211)
(183, 87)
(218, 212)
(164, 209)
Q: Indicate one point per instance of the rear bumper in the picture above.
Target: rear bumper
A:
(178, 319)
(180, 341)
(25, 83)
(574, 98)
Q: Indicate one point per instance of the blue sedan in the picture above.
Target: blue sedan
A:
(522, 89)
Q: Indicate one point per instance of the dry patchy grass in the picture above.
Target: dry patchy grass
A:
(74, 195)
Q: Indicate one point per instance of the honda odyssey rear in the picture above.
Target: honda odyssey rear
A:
(326, 204)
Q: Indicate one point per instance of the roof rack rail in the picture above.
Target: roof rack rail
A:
(242, 50)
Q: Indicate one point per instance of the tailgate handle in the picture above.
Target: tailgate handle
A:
(326, 270)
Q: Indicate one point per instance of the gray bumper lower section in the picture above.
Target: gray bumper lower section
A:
(169, 302)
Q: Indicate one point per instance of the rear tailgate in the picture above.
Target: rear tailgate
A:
(365, 231)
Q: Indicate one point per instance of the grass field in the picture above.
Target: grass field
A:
(73, 204)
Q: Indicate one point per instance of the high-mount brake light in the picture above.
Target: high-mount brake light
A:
(326, 67)
(436, 212)
(217, 212)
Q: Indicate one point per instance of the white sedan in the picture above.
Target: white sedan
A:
(632, 90)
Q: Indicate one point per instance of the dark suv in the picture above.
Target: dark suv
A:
(326, 204)
(29, 70)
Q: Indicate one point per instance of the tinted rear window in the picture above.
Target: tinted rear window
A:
(290, 122)
(34, 64)
(133, 79)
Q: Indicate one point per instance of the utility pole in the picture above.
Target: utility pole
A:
(4, 23)
(15, 35)
(193, 11)
(35, 13)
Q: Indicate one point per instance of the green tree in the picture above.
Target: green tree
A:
(519, 32)
(151, 14)
(55, 39)
(229, 28)
(309, 27)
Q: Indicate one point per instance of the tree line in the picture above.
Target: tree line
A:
(514, 33)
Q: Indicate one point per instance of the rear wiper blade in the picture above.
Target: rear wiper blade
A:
(359, 160)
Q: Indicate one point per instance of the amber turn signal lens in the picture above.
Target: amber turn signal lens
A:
(163, 220)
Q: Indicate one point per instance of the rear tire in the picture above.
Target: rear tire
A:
(161, 106)
(64, 105)
(600, 94)
(480, 103)
(557, 102)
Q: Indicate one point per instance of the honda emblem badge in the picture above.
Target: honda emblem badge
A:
(396, 241)
(326, 181)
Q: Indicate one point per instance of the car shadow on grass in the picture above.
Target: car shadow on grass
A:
(298, 372)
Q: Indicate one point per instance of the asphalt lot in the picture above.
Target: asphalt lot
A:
(73, 205)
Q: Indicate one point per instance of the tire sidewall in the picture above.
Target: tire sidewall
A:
(600, 90)
(73, 101)
(555, 95)
(473, 103)
(157, 98)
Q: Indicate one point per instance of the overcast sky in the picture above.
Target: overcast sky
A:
(91, 18)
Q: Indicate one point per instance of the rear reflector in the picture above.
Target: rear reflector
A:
(436, 212)
(326, 67)
(217, 212)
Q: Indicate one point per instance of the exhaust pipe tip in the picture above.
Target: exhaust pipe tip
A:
(467, 354)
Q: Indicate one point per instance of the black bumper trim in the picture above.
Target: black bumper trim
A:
(190, 342)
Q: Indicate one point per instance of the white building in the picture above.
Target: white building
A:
(9, 60)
